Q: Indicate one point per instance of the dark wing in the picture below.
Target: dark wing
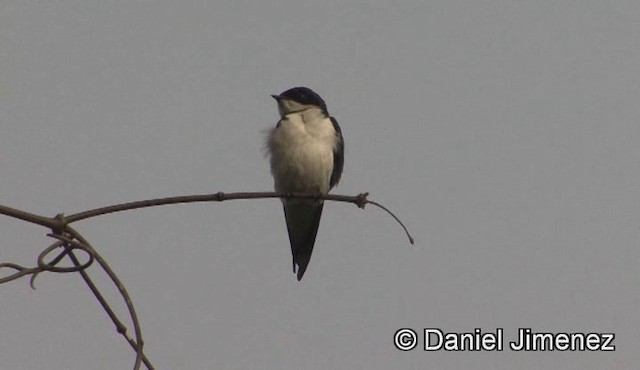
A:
(338, 155)
(303, 220)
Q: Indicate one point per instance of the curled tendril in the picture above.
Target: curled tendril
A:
(44, 265)
(69, 245)
(21, 271)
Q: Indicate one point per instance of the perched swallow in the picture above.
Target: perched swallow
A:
(306, 152)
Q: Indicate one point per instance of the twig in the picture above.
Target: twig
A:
(120, 328)
(359, 200)
(70, 240)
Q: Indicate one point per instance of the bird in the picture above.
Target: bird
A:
(306, 151)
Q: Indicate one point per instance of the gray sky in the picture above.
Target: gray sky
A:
(504, 133)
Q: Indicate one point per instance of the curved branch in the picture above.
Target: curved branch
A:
(120, 328)
(69, 239)
(360, 200)
(58, 223)
(217, 197)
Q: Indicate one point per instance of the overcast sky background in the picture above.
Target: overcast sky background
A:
(505, 134)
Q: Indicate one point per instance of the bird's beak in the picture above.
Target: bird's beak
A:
(276, 97)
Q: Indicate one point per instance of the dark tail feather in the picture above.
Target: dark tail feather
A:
(303, 220)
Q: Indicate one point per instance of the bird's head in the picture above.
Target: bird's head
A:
(298, 99)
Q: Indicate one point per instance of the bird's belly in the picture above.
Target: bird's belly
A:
(305, 167)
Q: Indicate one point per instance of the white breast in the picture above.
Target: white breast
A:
(301, 151)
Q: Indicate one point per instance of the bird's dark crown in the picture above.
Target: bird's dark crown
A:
(304, 95)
